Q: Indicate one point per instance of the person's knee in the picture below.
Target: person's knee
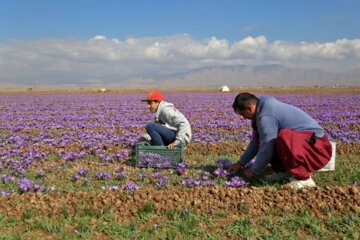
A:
(150, 126)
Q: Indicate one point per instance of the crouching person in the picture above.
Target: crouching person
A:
(170, 126)
(284, 136)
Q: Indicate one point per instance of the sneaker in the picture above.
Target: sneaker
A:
(146, 137)
(297, 184)
(277, 176)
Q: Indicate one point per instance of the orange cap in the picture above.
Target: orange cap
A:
(154, 96)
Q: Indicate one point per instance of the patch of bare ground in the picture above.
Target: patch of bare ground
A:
(348, 148)
(253, 202)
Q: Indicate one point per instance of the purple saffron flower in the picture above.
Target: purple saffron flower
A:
(236, 182)
(351, 217)
(120, 169)
(181, 167)
(103, 175)
(120, 175)
(156, 175)
(163, 182)
(76, 177)
(24, 184)
(83, 171)
(221, 173)
(225, 162)
(39, 188)
(131, 186)
(142, 176)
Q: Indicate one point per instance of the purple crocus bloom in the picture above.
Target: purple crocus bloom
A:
(156, 175)
(162, 182)
(142, 176)
(236, 182)
(131, 186)
(351, 217)
(83, 171)
(120, 169)
(225, 162)
(103, 175)
(221, 173)
(120, 175)
(24, 184)
(76, 177)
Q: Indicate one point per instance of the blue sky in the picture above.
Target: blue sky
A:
(125, 42)
(305, 20)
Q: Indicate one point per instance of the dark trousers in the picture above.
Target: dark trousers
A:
(160, 135)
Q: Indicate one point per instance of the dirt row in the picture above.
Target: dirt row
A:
(254, 202)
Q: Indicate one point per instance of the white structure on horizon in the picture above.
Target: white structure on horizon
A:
(103, 90)
(224, 89)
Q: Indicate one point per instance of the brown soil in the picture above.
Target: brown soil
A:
(254, 202)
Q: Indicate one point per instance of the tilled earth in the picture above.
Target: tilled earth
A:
(255, 202)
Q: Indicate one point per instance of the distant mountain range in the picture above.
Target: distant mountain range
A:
(208, 77)
(266, 75)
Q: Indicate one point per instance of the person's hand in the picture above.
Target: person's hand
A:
(171, 145)
(235, 167)
(248, 173)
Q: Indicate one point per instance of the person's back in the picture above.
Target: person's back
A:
(288, 116)
(173, 119)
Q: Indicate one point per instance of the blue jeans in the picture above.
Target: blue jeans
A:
(160, 135)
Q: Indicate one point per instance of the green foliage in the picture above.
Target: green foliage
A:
(243, 227)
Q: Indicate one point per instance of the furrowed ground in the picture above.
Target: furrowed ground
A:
(67, 169)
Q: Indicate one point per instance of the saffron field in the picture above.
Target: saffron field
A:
(67, 171)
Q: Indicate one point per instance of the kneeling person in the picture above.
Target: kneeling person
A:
(284, 136)
(170, 126)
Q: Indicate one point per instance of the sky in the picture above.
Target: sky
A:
(97, 42)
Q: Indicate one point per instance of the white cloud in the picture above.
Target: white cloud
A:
(151, 57)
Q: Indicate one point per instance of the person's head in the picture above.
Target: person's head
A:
(153, 100)
(245, 105)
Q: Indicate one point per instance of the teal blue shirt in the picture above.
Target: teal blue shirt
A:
(271, 117)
